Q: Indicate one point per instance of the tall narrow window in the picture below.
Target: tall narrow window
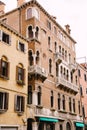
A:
(79, 73)
(79, 107)
(30, 32)
(49, 43)
(19, 103)
(30, 57)
(59, 100)
(37, 32)
(65, 55)
(59, 49)
(57, 69)
(3, 101)
(29, 94)
(70, 105)
(63, 102)
(20, 74)
(83, 111)
(55, 47)
(68, 127)
(49, 24)
(39, 96)
(29, 13)
(71, 77)
(4, 73)
(51, 98)
(37, 57)
(81, 91)
(50, 66)
(73, 105)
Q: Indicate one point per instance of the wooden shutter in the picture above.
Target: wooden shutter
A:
(9, 39)
(23, 104)
(23, 76)
(16, 73)
(15, 103)
(6, 101)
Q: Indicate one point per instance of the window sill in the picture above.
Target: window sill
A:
(72, 113)
(20, 113)
(2, 111)
(39, 106)
(63, 111)
(35, 40)
(20, 82)
(4, 77)
(52, 109)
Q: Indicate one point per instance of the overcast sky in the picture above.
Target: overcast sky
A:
(72, 12)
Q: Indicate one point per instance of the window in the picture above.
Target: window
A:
(79, 106)
(19, 103)
(76, 79)
(5, 37)
(51, 98)
(49, 43)
(73, 105)
(68, 127)
(55, 47)
(63, 102)
(30, 32)
(21, 46)
(83, 111)
(3, 101)
(86, 90)
(32, 12)
(55, 30)
(85, 78)
(37, 57)
(30, 57)
(20, 74)
(81, 91)
(57, 69)
(39, 96)
(29, 94)
(37, 32)
(61, 127)
(50, 66)
(4, 67)
(60, 49)
(70, 105)
(65, 55)
(49, 24)
(79, 73)
(59, 100)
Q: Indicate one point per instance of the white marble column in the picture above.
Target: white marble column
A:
(35, 126)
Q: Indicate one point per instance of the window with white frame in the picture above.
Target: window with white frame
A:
(21, 46)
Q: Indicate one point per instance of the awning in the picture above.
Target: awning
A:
(48, 119)
(79, 124)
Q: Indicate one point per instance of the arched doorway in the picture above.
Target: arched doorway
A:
(68, 126)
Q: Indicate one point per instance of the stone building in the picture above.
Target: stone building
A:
(53, 91)
(13, 78)
(82, 75)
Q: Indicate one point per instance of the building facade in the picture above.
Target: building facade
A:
(13, 79)
(82, 74)
(53, 100)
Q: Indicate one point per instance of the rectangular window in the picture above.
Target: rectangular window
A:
(5, 38)
(86, 90)
(83, 111)
(3, 101)
(85, 77)
(19, 103)
(79, 73)
(81, 91)
(49, 24)
(4, 69)
(20, 74)
(21, 46)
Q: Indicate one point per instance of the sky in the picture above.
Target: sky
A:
(72, 12)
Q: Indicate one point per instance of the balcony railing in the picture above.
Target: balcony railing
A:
(66, 85)
(37, 71)
(58, 57)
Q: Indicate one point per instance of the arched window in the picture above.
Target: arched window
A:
(4, 67)
(49, 43)
(67, 76)
(61, 70)
(20, 74)
(39, 96)
(63, 102)
(61, 127)
(29, 13)
(37, 57)
(50, 66)
(68, 127)
(69, 58)
(57, 69)
(30, 57)
(29, 101)
(65, 55)
(55, 47)
(60, 49)
(37, 32)
(30, 32)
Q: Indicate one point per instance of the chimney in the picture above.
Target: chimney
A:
(20, 2)
(67, 29)
(2, 8)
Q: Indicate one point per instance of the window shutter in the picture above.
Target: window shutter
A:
(16, 72)
(23, 75)
(0, 35)
(15, 103)
(18, 45)
(7, 72)
(9, 39)
(25, 48)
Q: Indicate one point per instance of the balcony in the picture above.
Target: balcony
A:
(73, 66)
(37, 72)
(66, 85)
(58, 57)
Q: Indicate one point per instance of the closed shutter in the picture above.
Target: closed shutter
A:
(0, 35)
